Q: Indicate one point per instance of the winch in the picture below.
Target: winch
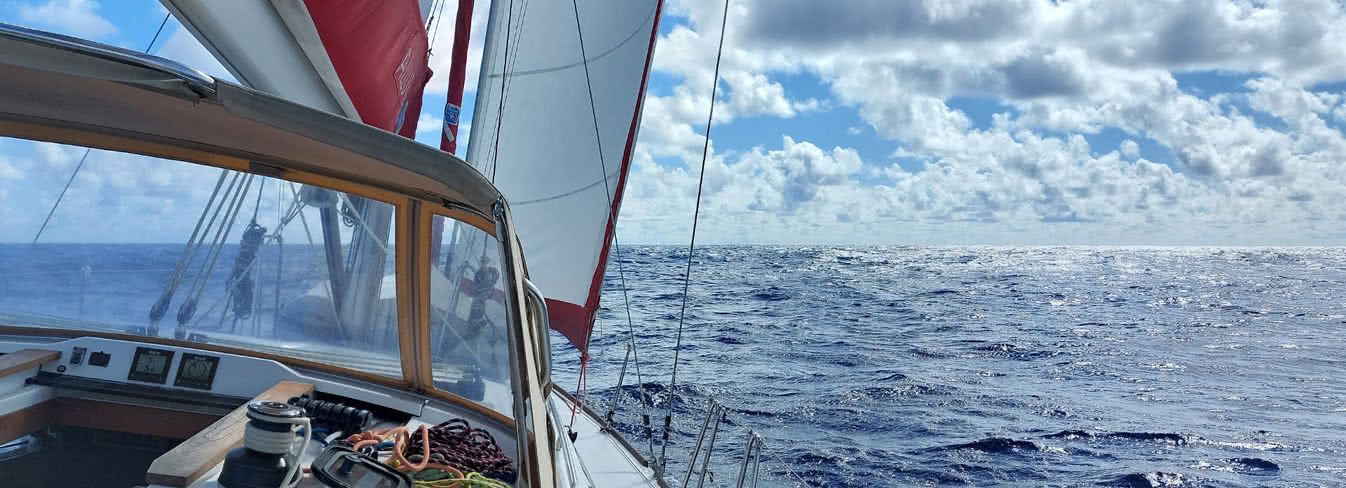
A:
(268, 458)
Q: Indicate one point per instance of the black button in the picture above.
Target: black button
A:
(99, 358)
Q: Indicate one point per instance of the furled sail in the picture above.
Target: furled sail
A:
(364, 59)
(560, 161)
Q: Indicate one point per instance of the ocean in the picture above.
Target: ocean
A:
(988, 366)
(926, 366)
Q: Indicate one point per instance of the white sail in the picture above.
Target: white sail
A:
(564, 187)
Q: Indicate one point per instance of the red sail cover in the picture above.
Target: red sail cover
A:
(381, 54)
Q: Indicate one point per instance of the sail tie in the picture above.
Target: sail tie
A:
(691, 246)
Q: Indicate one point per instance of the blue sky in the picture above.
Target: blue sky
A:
(976, 122)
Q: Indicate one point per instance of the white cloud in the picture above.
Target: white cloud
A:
(1129, 148)
(429, 126)
(77, 18)
(1066, 69)
(8, 171)
(855, 131)
(442, 49)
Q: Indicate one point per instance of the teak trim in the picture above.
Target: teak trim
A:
(25, 359)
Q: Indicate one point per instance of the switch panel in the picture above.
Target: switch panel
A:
(100, 359)
(77, 355)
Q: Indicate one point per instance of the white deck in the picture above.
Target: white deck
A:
(597, 457)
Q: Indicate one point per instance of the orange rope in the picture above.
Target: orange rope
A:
(400, 438)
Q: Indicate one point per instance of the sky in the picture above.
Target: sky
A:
(1183, 122)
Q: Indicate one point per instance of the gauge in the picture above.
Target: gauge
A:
(150, 365)
(197, 371)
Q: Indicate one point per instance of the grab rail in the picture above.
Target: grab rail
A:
(715, 412)
(753, 454)
(544, 335)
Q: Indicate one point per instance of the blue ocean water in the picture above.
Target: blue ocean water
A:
(990, 366)
(924, 366)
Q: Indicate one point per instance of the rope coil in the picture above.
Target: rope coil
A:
(459, 455)
(241, 276)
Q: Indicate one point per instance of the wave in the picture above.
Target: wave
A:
(993, 445)
(1154, 479)
(771, 294)
(1253, 465)
(1174, 438)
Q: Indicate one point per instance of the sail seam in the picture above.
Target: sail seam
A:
(583, 60)
(569, 193)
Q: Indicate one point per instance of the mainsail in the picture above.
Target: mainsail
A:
(554, 126)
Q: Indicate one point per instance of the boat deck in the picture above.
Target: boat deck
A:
(597, 458)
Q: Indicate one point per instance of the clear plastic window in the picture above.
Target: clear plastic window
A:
(469, 347)
(171, 249)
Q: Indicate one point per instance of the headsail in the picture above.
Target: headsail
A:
(563, 186)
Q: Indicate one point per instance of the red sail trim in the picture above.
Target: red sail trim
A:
(571, 320)
(380, 52)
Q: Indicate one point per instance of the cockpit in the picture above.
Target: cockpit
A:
(221, 259)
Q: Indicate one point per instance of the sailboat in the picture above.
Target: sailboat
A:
(305, 296)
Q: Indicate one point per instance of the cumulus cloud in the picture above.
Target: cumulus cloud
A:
(1129, 148)
(73, 17)
(441, 50)
(1262, 154)
(8, 171)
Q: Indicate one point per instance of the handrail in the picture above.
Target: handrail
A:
(543, 333)
(199, 81)
(715, 412)
(524, 416)
(753, 454)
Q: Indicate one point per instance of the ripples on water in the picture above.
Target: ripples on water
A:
(907, 366)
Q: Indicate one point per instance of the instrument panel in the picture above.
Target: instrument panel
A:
(192, 370)
(197, 371)
(150, 365)
(164, 366)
